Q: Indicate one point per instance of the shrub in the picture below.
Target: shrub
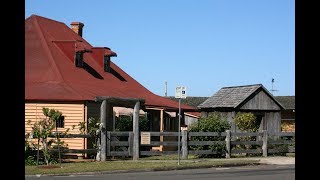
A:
(93, 128)
(124, 123)
(246, 122)
(213, 123)
(281, 149)
(41, 130)
(29, 151)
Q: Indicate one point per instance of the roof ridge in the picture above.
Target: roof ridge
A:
(245, 98)
(188, 96)
(286, 96)
(41, 17)
(242, 86)
(46, 47)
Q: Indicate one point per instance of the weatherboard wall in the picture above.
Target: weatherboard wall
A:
(73, 113)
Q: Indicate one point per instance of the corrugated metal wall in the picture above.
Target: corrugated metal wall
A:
(73, 113)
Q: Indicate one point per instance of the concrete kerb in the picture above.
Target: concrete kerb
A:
(232, 162)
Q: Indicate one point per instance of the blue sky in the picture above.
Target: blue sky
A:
(204, 45)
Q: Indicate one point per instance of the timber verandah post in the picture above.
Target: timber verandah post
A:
(103, 118)
(136, 133)
(106, 114)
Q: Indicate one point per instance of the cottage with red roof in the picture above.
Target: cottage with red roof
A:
(63, 71)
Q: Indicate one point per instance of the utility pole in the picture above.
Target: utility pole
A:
(165, 88)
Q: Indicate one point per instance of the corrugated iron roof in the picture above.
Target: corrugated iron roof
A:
(189, 100)
(51, 75)
(232, 97)
(287, 101)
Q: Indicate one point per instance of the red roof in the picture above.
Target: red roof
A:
(51, 75)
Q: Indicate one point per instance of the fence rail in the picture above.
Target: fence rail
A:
(121, 143)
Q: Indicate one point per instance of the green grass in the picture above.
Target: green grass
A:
(165, 157)
(291, 154)
(142, 164)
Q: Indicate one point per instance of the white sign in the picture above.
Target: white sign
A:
(184, 128)
(145, 137)
(181, 92)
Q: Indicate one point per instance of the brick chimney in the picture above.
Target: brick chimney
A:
(77, 27)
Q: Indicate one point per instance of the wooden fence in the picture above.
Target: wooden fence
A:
(266, 143)
(121, 143)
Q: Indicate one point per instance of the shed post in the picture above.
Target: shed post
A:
(136, 133)
(184, 142)
(265, 143)
(103, 118)
(228, 137)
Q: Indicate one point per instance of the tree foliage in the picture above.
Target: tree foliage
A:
(125, 123)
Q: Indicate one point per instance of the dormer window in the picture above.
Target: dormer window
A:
(79, 59)
(106, 63)
(106, 59)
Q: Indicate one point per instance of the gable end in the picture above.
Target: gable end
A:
(260, 101)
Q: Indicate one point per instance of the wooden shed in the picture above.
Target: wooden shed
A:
(249, 98)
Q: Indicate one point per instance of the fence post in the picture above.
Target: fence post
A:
(184, 142)
(108, 143)
(265, 143)
(98, 142)
(228, 137)
(130, 140)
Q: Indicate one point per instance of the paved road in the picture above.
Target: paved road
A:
(261, 172)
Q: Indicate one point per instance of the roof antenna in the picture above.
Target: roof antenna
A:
(272, 90)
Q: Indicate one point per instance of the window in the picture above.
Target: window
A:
(79, 59)
(60, 122)
(106, 63)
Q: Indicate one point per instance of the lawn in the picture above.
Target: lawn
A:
(148, 163)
